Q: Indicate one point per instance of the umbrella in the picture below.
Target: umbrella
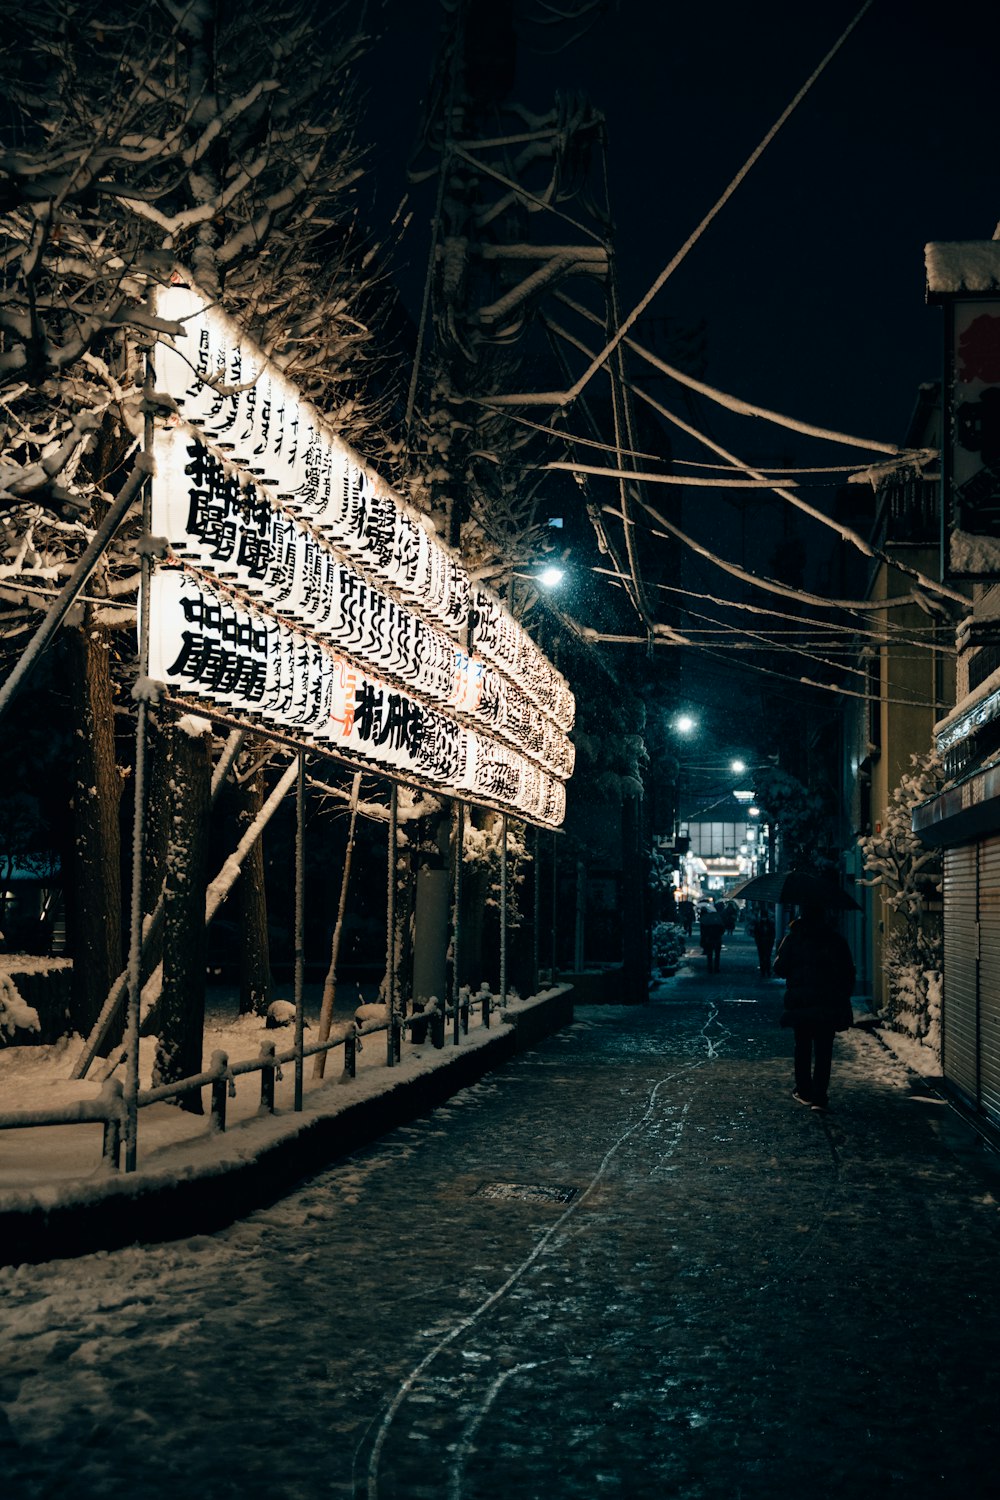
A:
(795, 888)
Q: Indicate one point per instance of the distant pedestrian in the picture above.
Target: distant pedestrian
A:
(816, 965)
(685, 915)
(713, 924)
(762, 932)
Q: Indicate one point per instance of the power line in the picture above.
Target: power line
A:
(846, 533)
(720, 203)
(881, 636)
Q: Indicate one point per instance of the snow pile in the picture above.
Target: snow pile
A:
(280, 1013)
(669, 945)
(914, 1054)
(915, 1005)
(979, 555)
(934, 982)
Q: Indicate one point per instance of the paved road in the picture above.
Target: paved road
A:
(627, 1265)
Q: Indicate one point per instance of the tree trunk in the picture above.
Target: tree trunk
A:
(95, 914)
(254, 946)
(522, 941)
(182, 999)
(156, 844)
(219, 888)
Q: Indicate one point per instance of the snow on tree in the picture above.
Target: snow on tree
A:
(138, 142)
(800, 814)
(15, 1013)
(218, 139)
(907, 875)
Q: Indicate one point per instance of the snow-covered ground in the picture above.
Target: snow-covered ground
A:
(54, 1164)
(63, 1163)
(915, 1054)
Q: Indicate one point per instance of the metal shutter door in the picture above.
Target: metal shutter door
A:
(989, 977)
(959, 1019)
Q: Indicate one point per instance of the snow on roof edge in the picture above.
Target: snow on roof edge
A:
(962, 266)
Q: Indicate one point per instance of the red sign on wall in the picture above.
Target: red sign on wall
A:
(975, 431)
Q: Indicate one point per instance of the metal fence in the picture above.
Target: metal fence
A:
(108, 1109)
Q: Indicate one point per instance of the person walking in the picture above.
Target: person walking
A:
(816, 965)
(762, 932)
(712, 923)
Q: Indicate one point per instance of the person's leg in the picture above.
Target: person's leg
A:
(803, 1062)
(822, 1064)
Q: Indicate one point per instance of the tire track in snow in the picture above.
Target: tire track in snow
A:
(409, 1384)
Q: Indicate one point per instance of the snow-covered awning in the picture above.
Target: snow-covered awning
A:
(955, 266)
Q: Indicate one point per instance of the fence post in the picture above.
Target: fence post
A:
(503, 911)
(536, 903)
(143, 693)
(437, 1026)
(555, 902)
(350, 1053)
(486, 1007)
(392, 1040)
(220, 1067)
(457, 921)
(300, 884)
(267, 1071)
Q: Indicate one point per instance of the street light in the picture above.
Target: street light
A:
(685, 724)
(551, 576)
(738, 766)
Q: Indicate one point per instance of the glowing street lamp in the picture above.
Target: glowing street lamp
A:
(738, 766)
(551, 576)
(685, 724)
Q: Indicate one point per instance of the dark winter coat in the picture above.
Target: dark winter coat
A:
(816, 965)
(762, 931)
(712, 925)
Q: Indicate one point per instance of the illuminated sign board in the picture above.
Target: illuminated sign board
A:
(300, 592)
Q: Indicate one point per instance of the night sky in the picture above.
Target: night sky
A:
(811, 279)
(809, 283)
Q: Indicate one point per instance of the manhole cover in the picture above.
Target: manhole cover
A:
(525, 1192)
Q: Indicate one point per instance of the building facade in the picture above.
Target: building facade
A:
(904, 682)
(963, 820)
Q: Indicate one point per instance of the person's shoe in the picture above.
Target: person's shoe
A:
(802, 1098)
(820, 1106)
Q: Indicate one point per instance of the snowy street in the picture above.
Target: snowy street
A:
(627, 1264)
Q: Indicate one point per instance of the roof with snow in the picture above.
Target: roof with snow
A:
(962, 266)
